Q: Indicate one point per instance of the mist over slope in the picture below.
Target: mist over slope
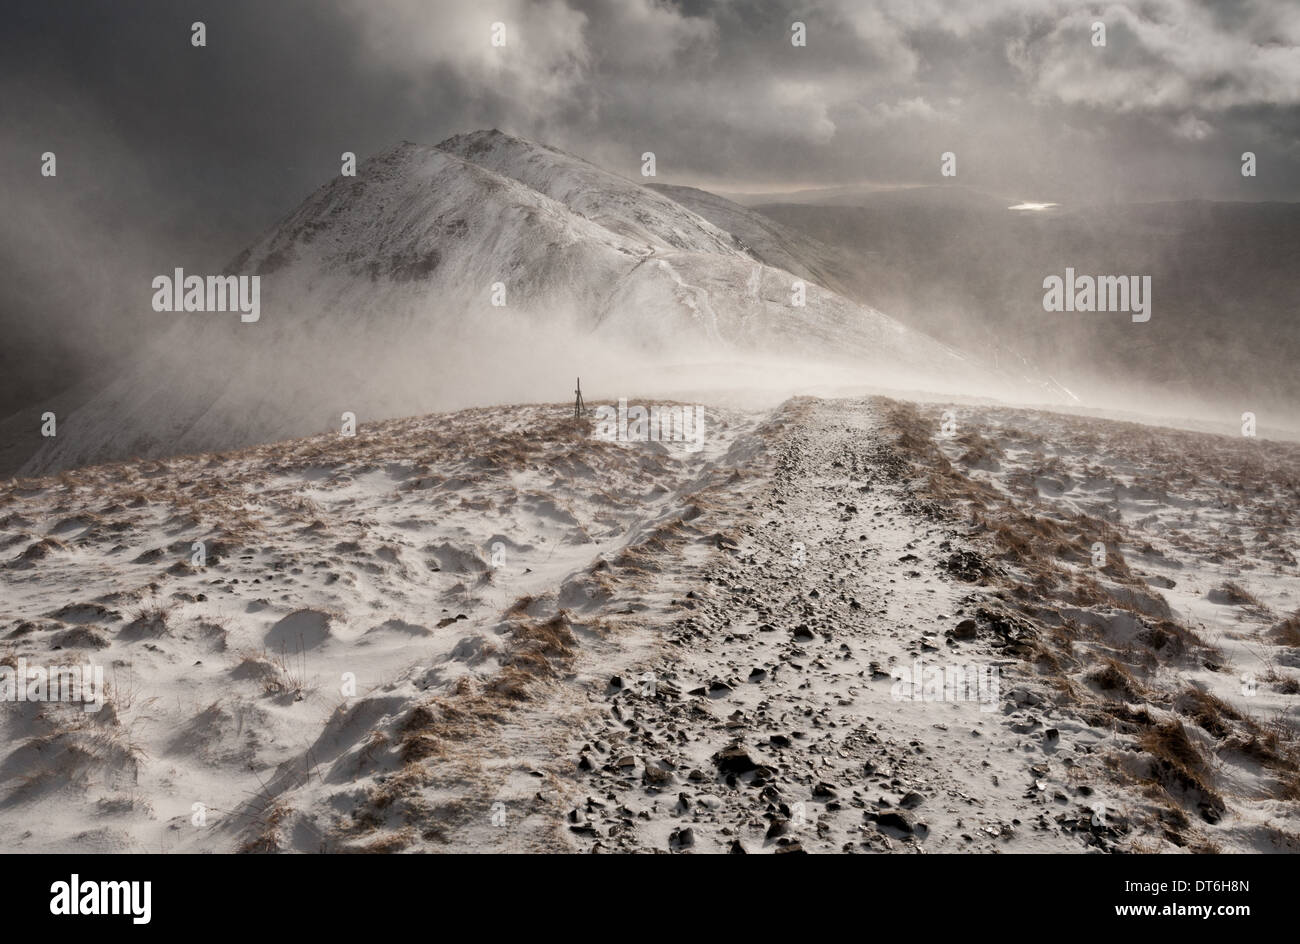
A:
(964, 268)
(377, 299)
(768, 240)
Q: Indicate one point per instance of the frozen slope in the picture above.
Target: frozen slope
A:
(765, 239)
(620, 205)
(376, 299)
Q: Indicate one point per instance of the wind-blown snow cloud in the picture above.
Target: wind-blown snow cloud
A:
(229, 136)
(547, 63)
(720, 93)
(717, 90)
(1168, 56)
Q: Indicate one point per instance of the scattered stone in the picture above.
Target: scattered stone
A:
(966, 629)
(896, 819)
(734, 759)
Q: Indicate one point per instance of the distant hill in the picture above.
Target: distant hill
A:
(1225, 329)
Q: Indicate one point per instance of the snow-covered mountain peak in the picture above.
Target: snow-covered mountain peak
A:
(486, 269)
(615, 202)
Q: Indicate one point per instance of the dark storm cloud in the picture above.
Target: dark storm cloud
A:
(171, 155)
(230, 135)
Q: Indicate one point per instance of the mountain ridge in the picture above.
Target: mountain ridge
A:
(377, 299)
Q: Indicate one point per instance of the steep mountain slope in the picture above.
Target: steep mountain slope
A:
(766, 239)
(616, 203)
(377, 298)
(735, 291)
(363, 288)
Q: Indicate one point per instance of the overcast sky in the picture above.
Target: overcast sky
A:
(169, 150)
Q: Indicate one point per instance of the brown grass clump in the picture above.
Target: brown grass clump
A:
(913, 432)
(1238, 595)
(1209, 712)
(267, 838)
(520, 606)
(552, 638)
(149, 621)
(1114, 677)
(1180, 770)
(1170, 742)
(1173, 639)
(980, 451)
(1287, 632)
(432, 728)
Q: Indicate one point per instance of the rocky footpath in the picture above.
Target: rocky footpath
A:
(829, 677)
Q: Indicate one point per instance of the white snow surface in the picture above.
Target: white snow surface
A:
(437, 635)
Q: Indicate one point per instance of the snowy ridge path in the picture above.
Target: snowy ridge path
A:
(768, 721)
(564, 643)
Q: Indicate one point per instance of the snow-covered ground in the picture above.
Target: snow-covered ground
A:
(391, 558)
(1163, 564)
(490, 630)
